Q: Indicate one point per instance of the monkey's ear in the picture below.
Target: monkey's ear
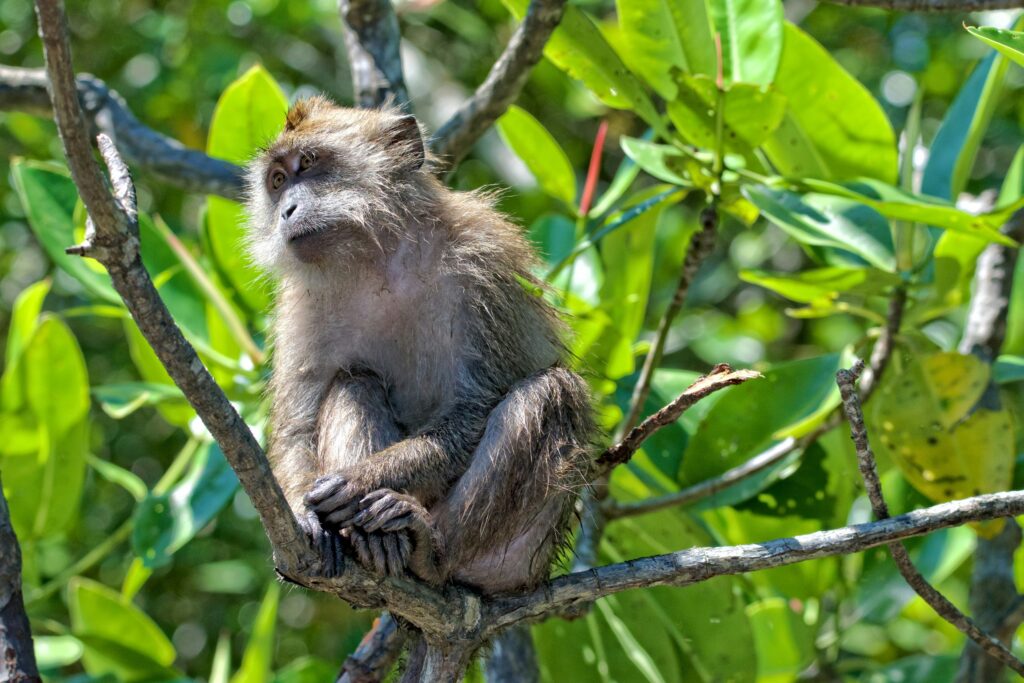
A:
(406, 132)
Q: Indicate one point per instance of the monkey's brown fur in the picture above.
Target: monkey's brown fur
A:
(422, 415)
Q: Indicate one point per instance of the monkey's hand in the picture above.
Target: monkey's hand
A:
(327, 542)
(385, 553)
(389, 512)
(336, 499)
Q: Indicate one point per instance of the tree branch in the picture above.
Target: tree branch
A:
(376, 654)
(962, 6)
(372, 40)
(720, 377)
(106, 112)
(502, 85)
(700, 564)
(869, 472)
(17, 657)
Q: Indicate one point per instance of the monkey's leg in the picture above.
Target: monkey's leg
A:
(509, 513)
(355, 420)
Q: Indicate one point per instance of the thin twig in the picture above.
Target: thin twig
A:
(846, 380)
(701, 245)
(372, 41)
(106, 112)
(720, 377)
(886, 343)
(503, 84)
(17, 656)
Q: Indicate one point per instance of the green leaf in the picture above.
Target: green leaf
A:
(823, 283)
(49, 197)
(933, 422)
(1008, 369)
(956, 144)
(119, 638)
(152, 371)
(220, 669)
(752, 36)
(897, 204)
(249, 113)
(121, 400)
(833, 127)
(541, 153)
(704, 621)
(578, 48)
(307, 670)
(788, 393)
(664, 162)
(24, 323)
(116, 474)
(751, 113)
(665, 36)
(259, 653)
(54, 652)
(1010, 43)
(56, 380)
(25, 319)
(166, 522)
(827, 222)
(784, 642)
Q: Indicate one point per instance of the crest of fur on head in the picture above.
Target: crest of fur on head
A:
(354, 180)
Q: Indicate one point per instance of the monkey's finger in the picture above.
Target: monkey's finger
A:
(380, 512)
(398, 523)
(362, 548)
(374, 496)
(377, 550)
(323, 488)
(342, 517)
(404, 546)
(343, 496)
(394, 558)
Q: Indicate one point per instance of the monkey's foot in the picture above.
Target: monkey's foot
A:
(386, 554)
(327, 542)
(335, 499)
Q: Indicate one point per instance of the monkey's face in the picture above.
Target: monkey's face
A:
(334, 185)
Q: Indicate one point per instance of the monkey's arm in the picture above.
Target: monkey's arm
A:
(424, 465)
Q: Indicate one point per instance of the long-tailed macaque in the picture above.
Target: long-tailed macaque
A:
(423, 418)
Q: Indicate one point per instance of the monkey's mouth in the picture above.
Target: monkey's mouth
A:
(306, 242)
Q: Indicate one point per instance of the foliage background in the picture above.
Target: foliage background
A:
(850, 618)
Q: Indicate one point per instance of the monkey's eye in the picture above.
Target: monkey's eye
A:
(306, 160)
(277, 178)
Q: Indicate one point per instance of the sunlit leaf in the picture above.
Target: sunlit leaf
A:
(249, 113)
(1010, 43)
(541, 153)
(121, 400)
(833, 127)
(116, 474)
(49, 197)
(119, 638)
(822, 283)
(578, 48)
(752, 35)
(259, 652)
(23, 325)
(784, 642)
(934, 419)
(825, 222)
(664, 162)
(750, 113)
(664, 36)
(54, 652)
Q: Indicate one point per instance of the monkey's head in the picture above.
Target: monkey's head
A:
(337, 183)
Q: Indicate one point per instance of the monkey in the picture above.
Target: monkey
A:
(424, 419)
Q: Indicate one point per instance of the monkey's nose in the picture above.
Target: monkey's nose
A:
(287, 213)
